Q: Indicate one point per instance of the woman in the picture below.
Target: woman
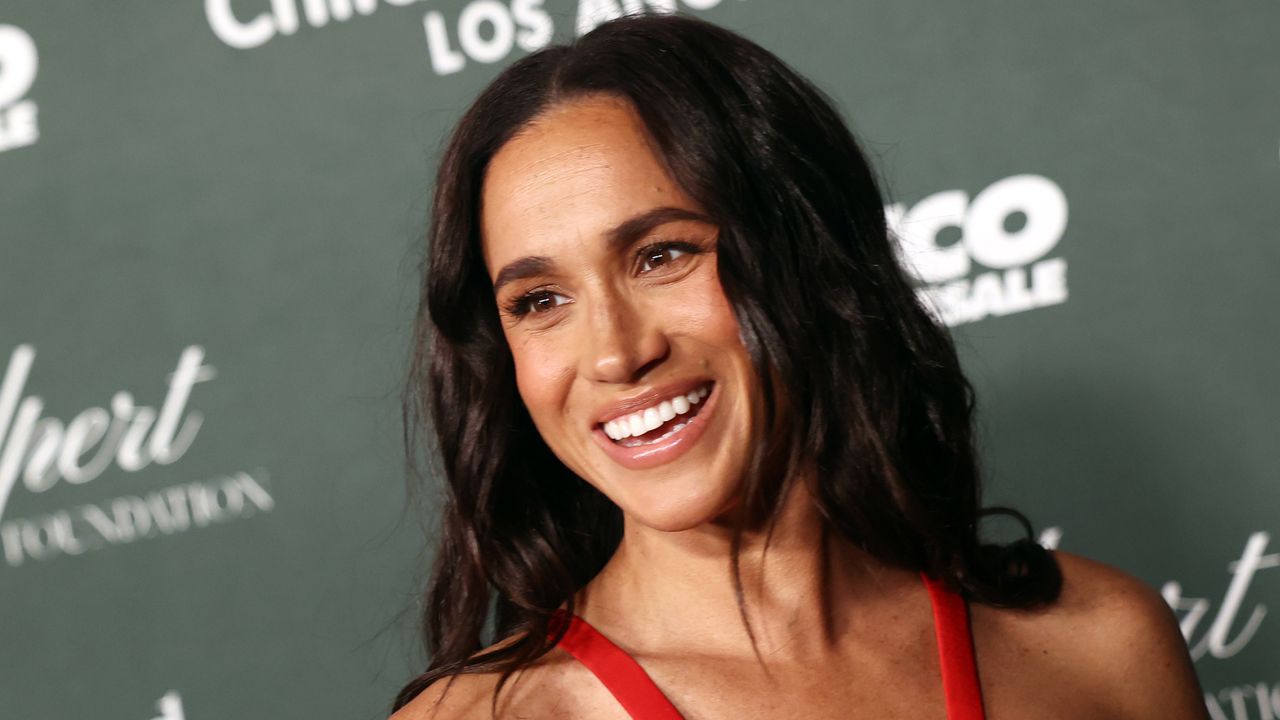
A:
(706, 454)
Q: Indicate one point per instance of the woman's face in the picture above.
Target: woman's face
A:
(627, 354)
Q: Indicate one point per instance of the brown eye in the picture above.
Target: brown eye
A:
(542, 301)
(658, 256)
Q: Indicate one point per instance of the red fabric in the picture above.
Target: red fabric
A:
(955, 653)
(642, 699)
(619, 672)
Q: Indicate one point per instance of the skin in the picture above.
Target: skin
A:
(614, 324)
(836, 630)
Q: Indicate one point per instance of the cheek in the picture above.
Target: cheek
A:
(704, 313)
(544, 373)
(708, 319)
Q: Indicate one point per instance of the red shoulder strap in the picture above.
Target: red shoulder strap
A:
(955, 652)
(619, 672)
(642, 699)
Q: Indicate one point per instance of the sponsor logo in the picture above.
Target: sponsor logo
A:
(487, 31)
(1217, 640)
(18, 65)
(593, 12)
(484, 31)
(170, 707)
(998, 265)
(251, 23)
(1251, 701)
(44, 451)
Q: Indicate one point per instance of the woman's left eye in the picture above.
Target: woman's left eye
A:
(656, 256)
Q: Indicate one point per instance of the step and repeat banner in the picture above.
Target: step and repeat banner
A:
(210, 218)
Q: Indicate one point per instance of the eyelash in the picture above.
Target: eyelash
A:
(520, 306)
(648, 251)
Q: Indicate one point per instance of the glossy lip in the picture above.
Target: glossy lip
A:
(659, 453)
(648, 398)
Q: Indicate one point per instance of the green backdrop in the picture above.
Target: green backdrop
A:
(209, 220)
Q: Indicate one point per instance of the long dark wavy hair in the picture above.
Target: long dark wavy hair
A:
(877, 405)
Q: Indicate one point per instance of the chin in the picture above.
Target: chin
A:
(667, 507)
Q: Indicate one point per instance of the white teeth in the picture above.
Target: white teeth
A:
(665, 411)
(616, 431)
(635, 442)
(651, 418)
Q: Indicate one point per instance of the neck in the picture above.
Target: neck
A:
(799, 593)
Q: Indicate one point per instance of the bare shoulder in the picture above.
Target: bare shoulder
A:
(1110, 645)
(458, 697)
(554, 686)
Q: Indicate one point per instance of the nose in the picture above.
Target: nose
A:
(623, 341)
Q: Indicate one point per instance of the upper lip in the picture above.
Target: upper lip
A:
(646, 398)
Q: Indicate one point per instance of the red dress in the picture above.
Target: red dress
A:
(642, 699)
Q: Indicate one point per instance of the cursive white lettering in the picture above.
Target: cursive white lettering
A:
(44, 450)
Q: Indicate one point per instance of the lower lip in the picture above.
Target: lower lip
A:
(663, 451)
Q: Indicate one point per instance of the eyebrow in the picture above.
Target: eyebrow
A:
(625, 233)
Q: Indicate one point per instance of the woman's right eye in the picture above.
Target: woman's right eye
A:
(537, 302)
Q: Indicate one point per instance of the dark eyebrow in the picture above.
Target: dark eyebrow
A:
(525, 267)
(627, 232)
(637, 227)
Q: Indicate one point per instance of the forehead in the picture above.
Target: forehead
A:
(577, 170)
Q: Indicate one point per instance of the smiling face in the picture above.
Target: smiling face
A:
(627, 353)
